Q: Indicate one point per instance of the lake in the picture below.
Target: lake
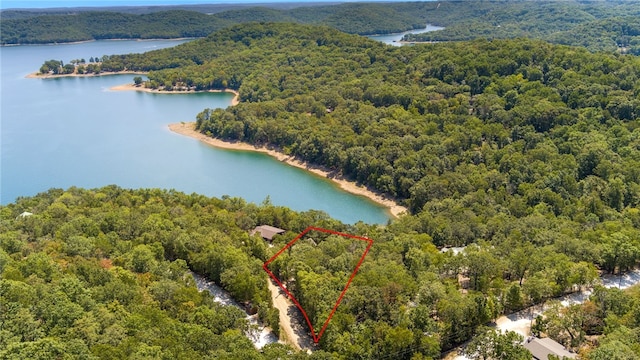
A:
(393, 39)
(76, 132)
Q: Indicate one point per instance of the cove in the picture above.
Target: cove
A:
(394, 39)
(67, 132)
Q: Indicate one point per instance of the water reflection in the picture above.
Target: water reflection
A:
(394, 39)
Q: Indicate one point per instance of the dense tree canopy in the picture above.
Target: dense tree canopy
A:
(107, 25)
(101, 275)
(526, 153)
(521, 124)
(606, 25)
(609, 315)
(96, 25)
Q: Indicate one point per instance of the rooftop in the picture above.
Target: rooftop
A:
(267, 232)
(541, 348)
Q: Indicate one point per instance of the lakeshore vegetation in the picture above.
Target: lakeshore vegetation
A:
(358, 18)
(605, 25)
(597, 26)
(525, 152)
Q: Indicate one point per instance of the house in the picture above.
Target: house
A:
(541, 348)
(267, 232)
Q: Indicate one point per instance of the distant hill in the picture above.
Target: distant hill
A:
(603, 25)
(28, 27)
(598, 25)
(19, 13)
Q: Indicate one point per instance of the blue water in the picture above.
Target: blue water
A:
(76, 132)
(393, 39)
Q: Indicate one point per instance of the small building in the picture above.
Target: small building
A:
(24, 215)
(267, 232)
(541, 348)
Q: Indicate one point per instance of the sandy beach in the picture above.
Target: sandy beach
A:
(133, 87)
(188, 129)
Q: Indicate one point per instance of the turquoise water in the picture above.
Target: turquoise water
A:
(76, 132)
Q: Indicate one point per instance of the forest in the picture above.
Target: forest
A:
(525, 152)
(105, 274)
(357, 18)
(604, 25)
(598, 26)
(24, 13)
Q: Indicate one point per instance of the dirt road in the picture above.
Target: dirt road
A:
(291, 321)
(521, 321)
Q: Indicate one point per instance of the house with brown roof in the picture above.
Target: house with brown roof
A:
(541, 348)
(267, 232)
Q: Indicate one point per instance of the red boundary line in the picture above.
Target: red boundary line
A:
(316, 338)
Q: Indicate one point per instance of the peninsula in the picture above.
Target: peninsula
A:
(188, 129)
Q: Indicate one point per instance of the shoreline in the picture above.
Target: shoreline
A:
(412, 31)
(417, 42)
(95, 40)
(37, 75)
(133, 87)
(50, 44)
(188, 129)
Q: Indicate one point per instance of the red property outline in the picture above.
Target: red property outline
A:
(316, 338)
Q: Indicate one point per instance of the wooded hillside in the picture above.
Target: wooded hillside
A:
(526, 152)
(358, 18)
(604, 25)
(405, 119)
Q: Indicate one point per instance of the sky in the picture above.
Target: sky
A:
(9, 4)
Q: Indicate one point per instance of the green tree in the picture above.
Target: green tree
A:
(565, 324)
(514, 300)
(619, 251)
(613, 350)
(491, 344)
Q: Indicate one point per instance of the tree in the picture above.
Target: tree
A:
(537, 289)
(142, 259)
(619, 251)
(137, 80)
(47, 348)
(565, 324)
(520, 261)
(514, 300)
(490, 344)
(482, 267)
(613, 350)
(240, 281)
(53, 66)
(611, 301)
